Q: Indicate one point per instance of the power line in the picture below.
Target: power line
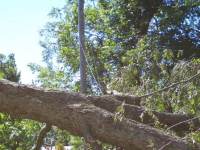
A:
(90, 69)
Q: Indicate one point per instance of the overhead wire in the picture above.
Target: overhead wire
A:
(90, 69)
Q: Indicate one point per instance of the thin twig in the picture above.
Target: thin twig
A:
(175, 126)
(165, 145)
(182, 122)
(170, 86)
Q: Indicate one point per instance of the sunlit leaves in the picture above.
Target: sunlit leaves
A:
(8, 69)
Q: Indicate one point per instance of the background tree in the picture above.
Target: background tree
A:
(8, 68)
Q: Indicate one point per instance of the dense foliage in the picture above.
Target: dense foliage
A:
(8, 69)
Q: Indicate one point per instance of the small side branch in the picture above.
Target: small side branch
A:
(41, 136)
(135, 100)
(171, 86)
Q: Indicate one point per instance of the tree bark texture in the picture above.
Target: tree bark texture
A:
(41, 136)
(81, 29)
(80, 115)
(110, 103)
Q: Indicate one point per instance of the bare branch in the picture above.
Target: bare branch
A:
(171, 86)
(182, 122)
(135, 100)
(41, 137)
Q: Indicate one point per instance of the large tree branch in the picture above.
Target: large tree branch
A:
(74, 112)
(129, 99)
(132, 112)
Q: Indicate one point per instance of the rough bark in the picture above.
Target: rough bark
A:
(129, 99)
(81, 28)
(132, 112)
(76, 113)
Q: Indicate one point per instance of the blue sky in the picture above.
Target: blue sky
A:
(20, 22)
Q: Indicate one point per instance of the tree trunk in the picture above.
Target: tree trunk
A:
(81, 28)
(78, 115)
